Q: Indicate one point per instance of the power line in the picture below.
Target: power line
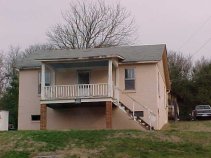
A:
(194, 33)
(202, 46)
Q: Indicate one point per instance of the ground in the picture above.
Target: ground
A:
(181, 139)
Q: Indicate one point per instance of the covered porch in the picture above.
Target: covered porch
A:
(79, 81)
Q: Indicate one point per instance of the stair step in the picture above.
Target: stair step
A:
(128, 111)
(143, 123)
(122, 108)
(135, 118)
(116, 102)
(140, 121)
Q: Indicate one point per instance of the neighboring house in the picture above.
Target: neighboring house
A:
(118, 87)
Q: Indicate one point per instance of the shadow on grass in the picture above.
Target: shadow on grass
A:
(15, 154)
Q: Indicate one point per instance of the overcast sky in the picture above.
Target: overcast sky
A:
(184, 25)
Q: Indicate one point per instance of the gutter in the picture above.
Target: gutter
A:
(80, 58)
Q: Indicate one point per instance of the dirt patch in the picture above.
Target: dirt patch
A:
(83, 153)
(169, 138)
(128, 135)
(77, 152)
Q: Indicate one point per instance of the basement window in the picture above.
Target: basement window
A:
(35, 117)
(130, 79)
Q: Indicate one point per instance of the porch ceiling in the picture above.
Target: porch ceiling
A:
(80, 64)
(74, 105)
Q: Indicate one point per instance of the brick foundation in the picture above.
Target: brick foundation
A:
(43, 117)
(109, 115)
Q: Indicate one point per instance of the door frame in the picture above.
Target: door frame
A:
(88, 71)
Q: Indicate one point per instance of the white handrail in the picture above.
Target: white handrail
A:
(145, 107)
(148, 110)
(75, 91)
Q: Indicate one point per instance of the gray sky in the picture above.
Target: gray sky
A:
(184, 25)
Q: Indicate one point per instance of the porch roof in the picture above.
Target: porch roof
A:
(142, 53)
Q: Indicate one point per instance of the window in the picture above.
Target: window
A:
(47, 80)
(35, 117)
(129, 79)
(83, 77)
(39, 82)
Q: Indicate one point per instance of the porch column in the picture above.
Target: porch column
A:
(42, 80)
(110, 91)
(109, 115)
(117, 84)
(43, 117)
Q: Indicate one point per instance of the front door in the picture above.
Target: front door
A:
(83, 81)
(83, 77)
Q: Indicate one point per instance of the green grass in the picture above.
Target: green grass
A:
(15, 154)
(181, 139)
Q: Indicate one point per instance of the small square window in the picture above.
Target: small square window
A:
(35, 117)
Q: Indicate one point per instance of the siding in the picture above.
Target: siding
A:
(145, 84)
(162, 99)
(146, 93)
(29, 100)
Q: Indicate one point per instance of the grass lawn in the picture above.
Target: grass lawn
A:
(177, 140)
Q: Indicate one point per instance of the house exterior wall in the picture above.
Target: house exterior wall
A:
(69, 76)
(87, 118)
(80, 117)
(65, 77)
(145, 89)
(146, 93)
(29, 100)
(162, 97)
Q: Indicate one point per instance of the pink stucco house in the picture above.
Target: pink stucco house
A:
(118, 87)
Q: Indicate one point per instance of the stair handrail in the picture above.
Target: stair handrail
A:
(150, 112)
(145, 107)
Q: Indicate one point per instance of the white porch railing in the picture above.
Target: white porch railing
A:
(75, 91)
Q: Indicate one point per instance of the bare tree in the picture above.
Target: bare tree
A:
(200, 64)
(2, 75)
(37, 47)
(93, 24)
(7, 67)
(180, 65)
(13, 54)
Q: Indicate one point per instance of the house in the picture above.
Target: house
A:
(117, 87)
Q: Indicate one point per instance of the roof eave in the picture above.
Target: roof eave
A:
(28, 68)
(139, 62)
(81, 58)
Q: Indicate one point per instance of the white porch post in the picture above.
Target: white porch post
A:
(116, 90)
(117, 84)
(42, 80)
(110, 90)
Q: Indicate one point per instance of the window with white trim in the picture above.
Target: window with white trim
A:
(130, 79)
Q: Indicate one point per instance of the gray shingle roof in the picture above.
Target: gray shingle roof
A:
(129, 53)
